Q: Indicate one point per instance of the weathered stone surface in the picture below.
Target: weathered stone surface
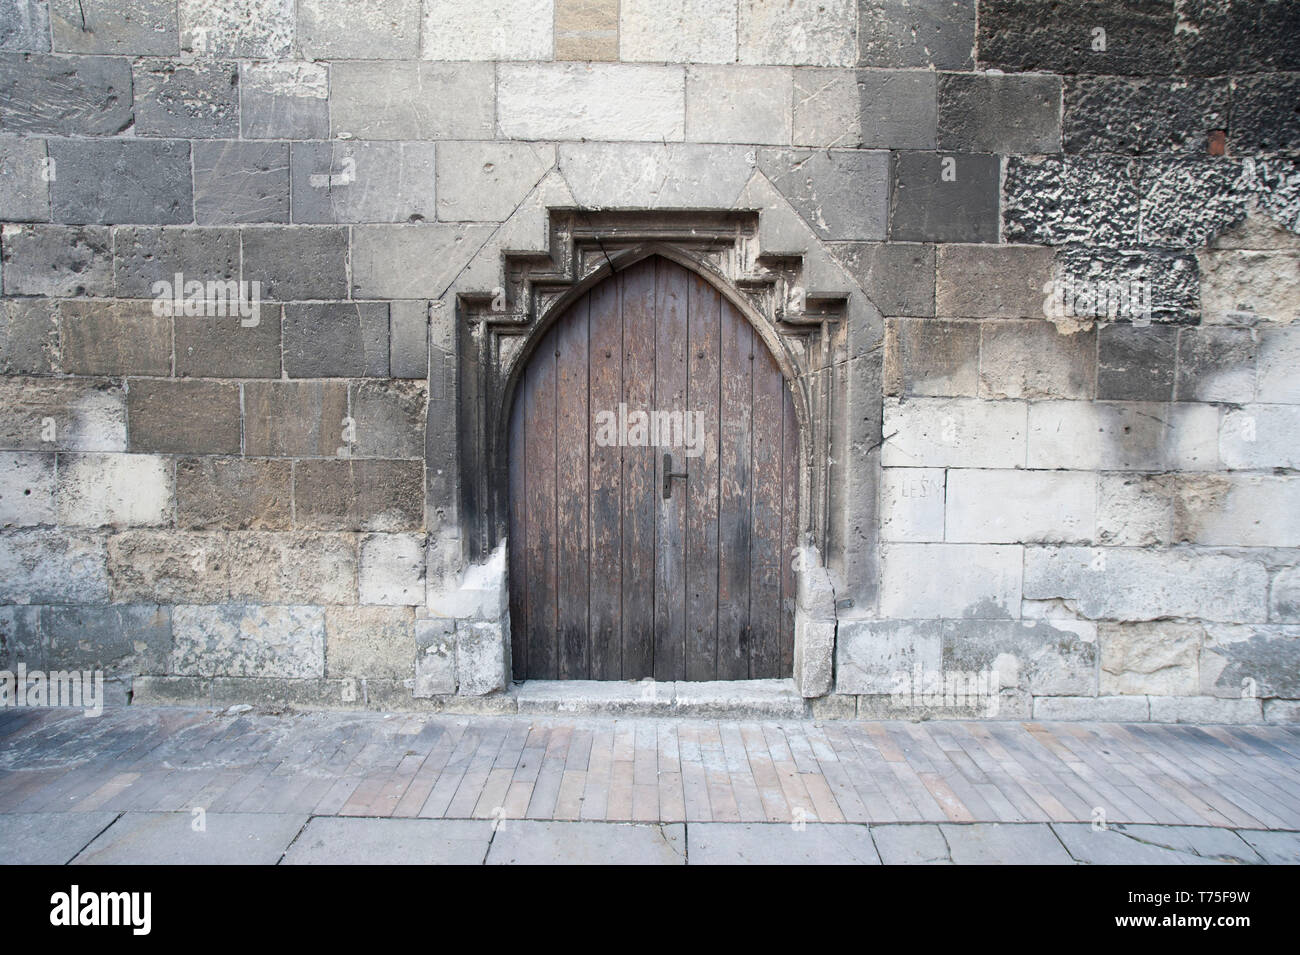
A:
(64, 96)
(1005, 507)
(981, 112)
(827, 108)
(365, 495)
(1284, 596)
(1139, 37)
(655, 176)
(1278, 357)
(911, 504)
(1053, 201)
(25, 26)
(587, 30)
(284, 101)
(954, 432)
(144, 256)
(802, 32)
(1135, 363)
(1160, 658)
(121, 490)
(1246, 287)
(435, 657)
(1134, 510)
(488, 30)
(29, 337)
(482, 657)
(924, 33)
(840, 193)
(1035, 360)
(359, 29)
(24, 186)
(1188, 201)
(1200, 709)
(413, 101)
(57, 261)
(1237, 510)
(228, 347)
(486, 182)
(233, 493)
(1251, 661)
(897, 276)
(612, 101)
(1215, 37)
(1117, 114)
(363, 182)
(125, 26)
(186, 100)
(336, 340)
(241, 182)
(978, 281)
(297, 568)
(183, 417)
(1260, 436)
(44, 566)
(950, 580)
(1123, 436)
(411, 261)
(392, 569)
(478, 592)
(1113, 709)
(678, 31)
(1161, 285)
(370, 642)
(66, 415)
(739, 104)
(1215, 364)
(257, 29)
(390, 418)
(1044, 657)
(944, 197)
(297, 262)
(877, 656)
(898, 109)
(26, 489)
(121, 180)
(1263, 113)
(234, 640)
(931, 357)
(295, 419)
(1126, 584)
(408, 339)
(123, 638)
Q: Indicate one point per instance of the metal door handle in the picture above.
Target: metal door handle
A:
(669, 474)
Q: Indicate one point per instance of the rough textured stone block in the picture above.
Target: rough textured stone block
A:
(1215, 37)
(390, 417)
(64, 96)
(1017, 35)
(1157, 281)
(408, 339)
(898, 276)
(841, 193)
(1000, 114)
(411, 261)
(233, 493)
(954, 432)
(486, 182)
(392, 569)
(183, 417)
(587, 30)
(944, 197)
(1136, 364)
(121, 180)
(482, 655)
(878, 656)
(257, 29)
(802, 32)
(739, 104)
(25, 25)
(1263, 113)
(1005, 507)
(931, 357)
(359, 29)
(24, 186)
(295, 419)
(924, 33)
(241, 182)
(1128, 584)
(1043, 657)
(62, 415)
(144, 256)
(336, 340)
(1053, 201)
(611, 101)
(370, 642)
(297, 262)
(898, 109)
(250, 641)
(1036, 360)
(680, 31)
(1117, 114)
(435, 658)
(122, 490)
(488, 30)
(1261, 436)
(950, 580)
(297, 568)
(284, 101)
(416, 101)
(26, 489)
(974, 281)
(656, 176)
(1134, 510)
(1215, 364)
(186, 100)
(1123, 436)
(44, 566)
(29, 336)
(1237, 510)
(125, 638)
(368, 495)
(1187, 201)
(1161, 658)
(57, 260)
(227, 347)
(363, 182)
(169, 567)
(911, 504)
(1245, 287)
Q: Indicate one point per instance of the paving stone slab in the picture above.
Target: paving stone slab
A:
(1001, 844)
(911, 845)
(48, 838)
(1120, 845)
(588, 843)
(780, 844)
(334, 841)
(1275, 847)
(169, 838)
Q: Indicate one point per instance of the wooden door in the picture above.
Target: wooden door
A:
(615, 574)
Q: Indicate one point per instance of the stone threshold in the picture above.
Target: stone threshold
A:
(730, 699)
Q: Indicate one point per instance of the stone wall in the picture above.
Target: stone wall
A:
(1100, 508)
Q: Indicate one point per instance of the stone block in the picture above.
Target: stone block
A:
(1135, 585)
(840, 193)
(897, 109)
(360, 495)
(168, 567)
(827, 108)
(122, 490)
(228, 347)
(248, 641)
(1015, 35)
(1120, 114)
(295, 419)
(926, 356)
(121, 181)
(1263, 113)
(284, 101)
(233, 493)
(412, 101)
(878, 656)
(477, 593)
(26, 489)
(1186, 201)
(58, 261)
(297, 568)
(297, 262)
(1005, 507)
(21, 640)
(390, 418)
(1134, 510)
(739, 104)
(62, 415)
(1246, 662)
(29, 337)
(363, 182)
(1237, 510)
(435, 658)
(489, 30)
(114, 338)
(183, 417)
(1085, 199)
(954, 432)
(1035, 359)
(587, 30)
(241, 182)
(1246, 287)
(359, 29)
(143, 257)
(25, 26)
(656, 176)
(411, 261)
(1284, 596)
(1216, 37)
(1260, 436)
(801, 32)
(370, 642)
(939, 34)
(924, 581)
(336, 340)
(1215, 364)
(408, 339)
(1109, 709)
(1160, 658)
(24, 185)
(1201, 709)
(1136, 363)
(392, 569)
(486, 182)
(679, 31)
(120, 638)
(1141, 285)
(482, 657)
(1123, 436)
(44, 566)
(978, 281)
(611, 101)
(1044, 657)
(983, 112)
(898, 277)
(944, 197)
(911, 504)
(255, 29)
(198, 100)
(64, 95)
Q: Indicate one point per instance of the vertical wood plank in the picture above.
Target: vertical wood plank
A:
(767, 554)
(704, 310)
(539, 506)
(606, 492)
(735, 461)
(640, 503)
(571, 444)
(519, 534)
(790, 528)
(670, 317)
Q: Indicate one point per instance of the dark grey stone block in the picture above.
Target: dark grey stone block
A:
(227, 347)
(183, 417)
(841, 193)
(336, 340)
(241, 182)
(1054, 201)
(1216, 364)
(295, 418)
(927, 356)
(24, 181)
(121, 638)
(937, 33)
(389, 418)
(898, 108)
(1237, 36)
(296, 263)
(408, 339)
(25, 26)
(58, 260)
(1186, 202)
(360, 495)
(1023, 35)
(139, 27)
(143, 256)
(121, 181)
(1270, 657)
(114, 338)
(21, 640)
(29, 336)
(1173, 277)
(64, 96)
(197, 100)
(1135, 363)
(1265, 117)
(898, 277)
(1118, 114)
(944, 197)
(1000, 114)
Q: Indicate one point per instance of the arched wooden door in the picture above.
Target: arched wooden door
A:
(619, 568)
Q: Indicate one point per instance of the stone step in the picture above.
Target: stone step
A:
(729, 699)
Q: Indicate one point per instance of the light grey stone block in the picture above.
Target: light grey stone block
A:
(139, 27)
(249, 641)
(257, 29)
(486, 182)
(528, 842)
(1110, 709)
(489, 30)
(24, 180)
(241, 182)
(739, 104)
(359, 29)
(122, 490)
(879, 656)
(408, 339)
(804, 843)
(950, 580)
(911, 845)
(912, 504)
(362, 182)
(370, 642)
(411, 260)
(197, 100)
(1258, 436)
(1159, 658)
(392, 569)
(49, 838)
(25, 25)
(64, 96)
(61, 415)
(284, 101)
(29, 337)
(482, 656)
(679, 31)
(841, 194)
(802, 32)
(1237, 510)
(335, 841)
(827, 108)
(1250, 660)
(1003, 843)
(655, 176)
(955, 432)
(170, 838)
(57, 261)
(1010, 506)
(1245, 287)
(612, 101)
(1201, 709)
(1044, 657)
(1123, 436)
(897, 109)
(52, 567)
(26, 489)
(412, 101)
(435, 657)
